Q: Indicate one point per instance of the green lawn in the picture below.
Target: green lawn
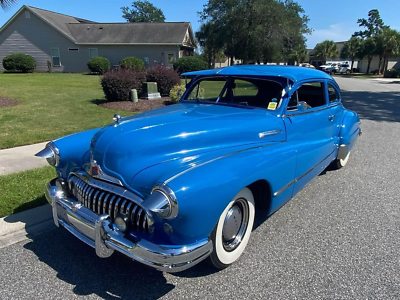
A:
(24, 190)
(52, 105)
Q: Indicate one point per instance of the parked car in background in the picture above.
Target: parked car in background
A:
(344, 69)
(307, 65)
(332, 69)
(176, 185)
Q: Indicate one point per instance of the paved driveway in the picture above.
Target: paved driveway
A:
(338, 239)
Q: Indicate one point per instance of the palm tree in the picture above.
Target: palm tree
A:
(368, 50)
(391, 44)
(351, 50)
(326, 49)
(7, 3)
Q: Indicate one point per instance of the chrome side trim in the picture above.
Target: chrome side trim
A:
(269, 133)
(100, 233)
(299, 178)
(215, 159)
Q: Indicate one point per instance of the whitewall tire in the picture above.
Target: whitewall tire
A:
(340, 163)
(233, 230)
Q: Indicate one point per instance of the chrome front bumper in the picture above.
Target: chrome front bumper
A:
(99, 233)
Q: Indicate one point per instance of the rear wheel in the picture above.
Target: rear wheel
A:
(339, 163)
(232, 232)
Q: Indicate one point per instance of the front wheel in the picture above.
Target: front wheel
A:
(232, 232)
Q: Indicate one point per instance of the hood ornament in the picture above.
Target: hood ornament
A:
(117, 118)
(94, 170)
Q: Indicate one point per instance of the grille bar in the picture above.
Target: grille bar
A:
(105, 202)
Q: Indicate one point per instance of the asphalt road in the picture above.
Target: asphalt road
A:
(338, 239)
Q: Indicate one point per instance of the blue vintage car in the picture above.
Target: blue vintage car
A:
(174, 186)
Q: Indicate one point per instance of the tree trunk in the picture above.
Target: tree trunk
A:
(385, 65)
(231, 63)
(352, 64)
(379, 66)
(369, 63)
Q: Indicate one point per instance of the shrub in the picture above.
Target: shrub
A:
(132, 62)
(190, 64)
(99, 64)
(118, 83)
(19, 62)
(166, 78)
(392, 73)
(177, 92)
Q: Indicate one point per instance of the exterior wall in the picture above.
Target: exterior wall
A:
(35, 37)
(394, 63)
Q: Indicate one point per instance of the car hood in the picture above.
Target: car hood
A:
(178, 131)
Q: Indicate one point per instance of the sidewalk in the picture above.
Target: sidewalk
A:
(21, 158)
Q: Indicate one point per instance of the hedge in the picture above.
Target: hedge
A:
(19, 62)
(99, 64)
(190, 64)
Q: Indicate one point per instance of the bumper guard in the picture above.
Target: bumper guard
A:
(99, 233)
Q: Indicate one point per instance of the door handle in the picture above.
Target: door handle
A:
(330, 118)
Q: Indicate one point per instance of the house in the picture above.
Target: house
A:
(69, 42)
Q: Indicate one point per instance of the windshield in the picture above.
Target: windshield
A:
(237, 91)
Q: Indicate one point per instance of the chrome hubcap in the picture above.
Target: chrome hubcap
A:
(235, 225)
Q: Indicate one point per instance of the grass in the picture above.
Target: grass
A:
(53, 105)
(23, 190)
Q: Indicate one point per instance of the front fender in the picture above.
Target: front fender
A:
(74, 150)
(205, 190)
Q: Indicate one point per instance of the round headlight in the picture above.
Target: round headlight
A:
(162, 201)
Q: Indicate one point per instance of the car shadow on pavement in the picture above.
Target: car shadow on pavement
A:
(382, 106)
(76, 263)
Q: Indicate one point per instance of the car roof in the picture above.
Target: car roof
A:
(293, 73)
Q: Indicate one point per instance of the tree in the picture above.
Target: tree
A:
(326, 49)
(391, 45)
(368, 49)
(256, 30)
(5, 4)
(373, 25)
(351, 49)
(143, 11)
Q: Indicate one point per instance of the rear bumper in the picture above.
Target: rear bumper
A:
(99, 233)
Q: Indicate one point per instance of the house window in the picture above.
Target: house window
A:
(93, 53)
(73, 49)
(171, 58)
(27, 15)
(55, 57)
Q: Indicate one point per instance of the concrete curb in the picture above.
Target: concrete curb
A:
(24, 225)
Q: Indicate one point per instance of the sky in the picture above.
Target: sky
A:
(334, 20)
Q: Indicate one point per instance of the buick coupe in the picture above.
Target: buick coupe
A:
(174, 186)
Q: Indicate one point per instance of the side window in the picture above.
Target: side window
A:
(93, 53)
(55, 57)
(332, 94)
(311, 93)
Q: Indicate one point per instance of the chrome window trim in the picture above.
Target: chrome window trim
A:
(309, 111)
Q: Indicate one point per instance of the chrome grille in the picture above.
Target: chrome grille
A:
(105, 202)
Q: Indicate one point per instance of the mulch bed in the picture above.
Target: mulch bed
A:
(6, 102)
(141, 106)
